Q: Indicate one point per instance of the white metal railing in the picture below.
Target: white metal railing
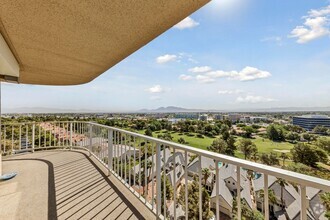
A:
(141, 162)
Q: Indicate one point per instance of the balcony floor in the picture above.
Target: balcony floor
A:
(65, 185)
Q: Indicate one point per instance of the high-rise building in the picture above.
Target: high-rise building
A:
(309, 122)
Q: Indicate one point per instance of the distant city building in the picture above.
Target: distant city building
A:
(233, 117)
(204, 117)
(245, 119)
(259, 119)
(309, 122)
(218, 117)
(186, 115)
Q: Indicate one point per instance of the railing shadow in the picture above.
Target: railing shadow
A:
(52, 210)
(85, 192)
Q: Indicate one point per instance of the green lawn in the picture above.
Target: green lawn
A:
(193, 141)
(263, 145)
(267, 146)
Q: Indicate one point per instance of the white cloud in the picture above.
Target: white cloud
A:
(155, 89)
(220, 74)
(166, 58)
(249, 74)
(200, 69)
(316, 25)
(230, 92)
(185, 77)
(321, 12)
(253, 99)
(204, 79)
(188, 22)
(246, 74)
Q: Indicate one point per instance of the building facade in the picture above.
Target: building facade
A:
(309, 122)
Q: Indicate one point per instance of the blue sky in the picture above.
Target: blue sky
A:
(231, 54)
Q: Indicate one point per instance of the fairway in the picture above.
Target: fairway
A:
(193, 141)
(264, 145)
(267, 146)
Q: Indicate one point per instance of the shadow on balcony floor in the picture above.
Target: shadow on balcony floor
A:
(65, 185)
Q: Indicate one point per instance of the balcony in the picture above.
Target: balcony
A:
(71, 170)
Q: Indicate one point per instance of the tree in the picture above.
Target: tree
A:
(248, 131)
(324, 143)
(206, 174)
(193, 200)
(284, 156)
(231, 147)
(146, 166)
(325, 197)
(167, 136)
(292, 136)
(308, 154)
(168, 191)
(282, 183)
(221, 146)
(307, 137)
(271, 197)
(192, 128)
(247, 213)
(224, 131)
(270, 159)
(148, 132)
(247, 147)
(320, 129)
(181, 140)
(275, 132)
(218, 145)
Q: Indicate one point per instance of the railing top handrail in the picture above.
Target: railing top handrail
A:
(299, 178)
(39, 122)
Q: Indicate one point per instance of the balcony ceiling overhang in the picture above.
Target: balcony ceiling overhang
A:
(72, 42)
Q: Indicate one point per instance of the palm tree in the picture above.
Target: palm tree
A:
(206, 174)
(247, 147)
(254, 156)
(282, 183)
(284, 156)
(146, 166)
(325, 197)
(271, 197)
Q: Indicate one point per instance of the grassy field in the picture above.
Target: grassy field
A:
(193, 141)
(267, 146)
(263, 145)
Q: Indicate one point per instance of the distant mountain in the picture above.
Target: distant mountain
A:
(170, 109)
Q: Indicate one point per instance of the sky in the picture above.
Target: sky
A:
(229, 55)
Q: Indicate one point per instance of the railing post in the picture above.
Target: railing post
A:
(239, 209)
(20, 137)
(70, 135)
(90, 133)
(217, 190)
(12, 139)
(0, 163)
(158, 180)
(303, 212)
(33, 135)
(110, 150)
(266, 203)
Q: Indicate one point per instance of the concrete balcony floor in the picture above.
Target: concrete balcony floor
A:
(62, 184)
